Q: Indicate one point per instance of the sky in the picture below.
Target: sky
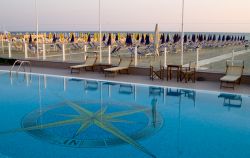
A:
(126, 15)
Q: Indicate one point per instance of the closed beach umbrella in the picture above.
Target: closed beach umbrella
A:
(130, 39)
(156, 39)
(163, 39)
(89, 38)
(104, 38)
(201, 38)
(30, 39)
(175, 38)
(54, 38)
(109, 39)
(204, 37)
(147, 40)
(142, 39)
(219, 38)
(138, 37)
(72, 40)
(223, 38)
(244, 37)
(185, 39)
(168, 38)
(232, 38)
(127, 39)
(214, 38)
(116, 37)
(193, 38)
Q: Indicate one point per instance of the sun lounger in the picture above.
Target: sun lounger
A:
(123, 65)
(89, 63)
(234, 71)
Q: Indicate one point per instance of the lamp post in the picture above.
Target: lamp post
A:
(182, 32)
(37, 30)
(100, 32)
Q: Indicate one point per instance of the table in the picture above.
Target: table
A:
(171, 68)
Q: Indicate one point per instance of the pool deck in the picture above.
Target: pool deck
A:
(201, 85)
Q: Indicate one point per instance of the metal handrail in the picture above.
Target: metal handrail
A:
(21, 64)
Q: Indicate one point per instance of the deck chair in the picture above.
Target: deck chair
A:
(156, 70)
(234, 71)
(188, 73)
(89, 64)
(122, 66)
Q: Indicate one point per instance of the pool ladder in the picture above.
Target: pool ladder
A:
(21, 64)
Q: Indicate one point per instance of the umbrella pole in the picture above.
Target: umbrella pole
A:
(135, 56)
(197, 59)
(233, 57)
(165, 57)
(109, 55)
(182, 33)
(2, 45)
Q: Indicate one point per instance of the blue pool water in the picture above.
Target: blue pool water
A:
(45, 116)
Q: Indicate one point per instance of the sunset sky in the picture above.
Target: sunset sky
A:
(126, 15)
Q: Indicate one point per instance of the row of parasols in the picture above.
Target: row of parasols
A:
(146, 39)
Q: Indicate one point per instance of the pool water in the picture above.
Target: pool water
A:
(54, 117)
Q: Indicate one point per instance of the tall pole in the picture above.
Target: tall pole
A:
(182, 32)
(37, 31)
(100, 32)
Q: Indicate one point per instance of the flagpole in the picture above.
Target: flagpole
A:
(37, 31)
(100, 32)
(182, 32)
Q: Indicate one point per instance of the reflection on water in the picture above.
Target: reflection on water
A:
(150, 120)
(91, 85)
(231, 100)
(126, 89)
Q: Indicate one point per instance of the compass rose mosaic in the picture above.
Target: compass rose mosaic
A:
(92, 124)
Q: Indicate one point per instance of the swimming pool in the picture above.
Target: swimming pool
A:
(54, 116)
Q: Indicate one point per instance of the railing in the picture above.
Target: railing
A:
(21, 64)
(209, 57)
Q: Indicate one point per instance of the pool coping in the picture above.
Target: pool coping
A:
(124, 82)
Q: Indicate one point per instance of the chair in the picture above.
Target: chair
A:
(89, 63)
(188, 73)
(123, 65)
(234, 71)
(156, 72)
